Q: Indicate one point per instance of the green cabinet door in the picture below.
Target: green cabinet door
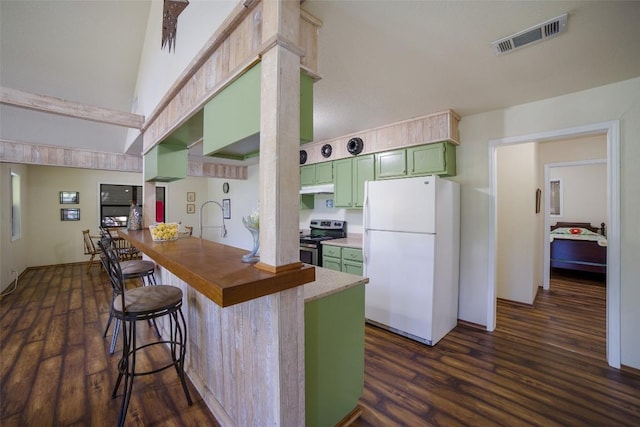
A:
(352, 267)
(349, 178)
(391, 164)
(343, 183)
(319, 173)
(334, 356)
(432, 159)
(363, 170)
(331, 263)
(324, 173)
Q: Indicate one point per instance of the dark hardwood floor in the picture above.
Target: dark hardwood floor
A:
(544, 365)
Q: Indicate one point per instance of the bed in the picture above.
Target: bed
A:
(579, 246)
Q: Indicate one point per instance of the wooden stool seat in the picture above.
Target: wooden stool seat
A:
(137, 268)
(147, 299)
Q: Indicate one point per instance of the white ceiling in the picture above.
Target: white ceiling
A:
(381, 61)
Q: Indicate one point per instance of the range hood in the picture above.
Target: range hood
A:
(317, 189)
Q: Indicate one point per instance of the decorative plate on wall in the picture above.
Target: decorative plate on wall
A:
(355, 146)
(303, 157)
(326, 150)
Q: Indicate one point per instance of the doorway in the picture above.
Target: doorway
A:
(591, 170)
(612, 131)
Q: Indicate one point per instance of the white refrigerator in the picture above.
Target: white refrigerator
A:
(411, 246)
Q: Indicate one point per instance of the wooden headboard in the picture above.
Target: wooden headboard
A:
(587, 225)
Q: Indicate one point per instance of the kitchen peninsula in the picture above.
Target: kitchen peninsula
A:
(242, 322)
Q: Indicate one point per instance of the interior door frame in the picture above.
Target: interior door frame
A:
(547, 208)
(612, 130)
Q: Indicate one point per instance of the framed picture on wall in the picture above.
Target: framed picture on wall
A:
(191, 208)
(191, 196)
(70, 214)
(69, 197)
(226, 208)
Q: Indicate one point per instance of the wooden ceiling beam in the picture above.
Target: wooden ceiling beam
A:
(62, 107)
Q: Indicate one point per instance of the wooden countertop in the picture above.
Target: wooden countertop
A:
(329, 282)
(217, 270)
(351, 241)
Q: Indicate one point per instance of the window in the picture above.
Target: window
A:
(16, 211)
(555, 197)
(115, 202)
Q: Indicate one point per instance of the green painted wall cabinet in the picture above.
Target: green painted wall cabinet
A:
(166, 162)
(349, 176)
(231, 125)
(319, 173)
(430, 159)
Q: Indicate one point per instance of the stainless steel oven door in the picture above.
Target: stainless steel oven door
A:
(309, 254)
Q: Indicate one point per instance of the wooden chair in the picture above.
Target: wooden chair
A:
(144, 303)
(90, 248)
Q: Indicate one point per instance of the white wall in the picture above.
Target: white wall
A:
(244, 199)
(593, 204)
(13, 255)
(584, 193)
(52, 241)
(159, 69)
(322, 211)
(620, 101)
(46, 240)
(518, 269)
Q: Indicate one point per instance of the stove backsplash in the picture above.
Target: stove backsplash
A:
(322, 210)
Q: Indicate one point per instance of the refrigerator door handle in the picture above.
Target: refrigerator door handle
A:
(365, 208)
(365, 223)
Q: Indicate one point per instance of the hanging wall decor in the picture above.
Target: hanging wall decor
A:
(172, 9)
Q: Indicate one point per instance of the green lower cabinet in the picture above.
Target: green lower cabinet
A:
(332, 263)
(334, 356)
(352, 267)
(346, 260)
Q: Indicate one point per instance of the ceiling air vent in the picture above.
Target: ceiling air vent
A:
(537, 33)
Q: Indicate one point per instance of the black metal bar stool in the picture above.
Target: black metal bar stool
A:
(144, 303)
(131, 269)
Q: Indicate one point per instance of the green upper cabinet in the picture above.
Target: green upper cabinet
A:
(307, 175)
(319, 173)
(232, 118)
(432, 159)
(324, 173)
(166, 162)
(349, 176)
(391, 164)
(306, 108)
(343, 183)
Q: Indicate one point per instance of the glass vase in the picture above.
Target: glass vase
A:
(252, 256)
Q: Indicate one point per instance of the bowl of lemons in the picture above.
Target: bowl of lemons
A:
(164, 232)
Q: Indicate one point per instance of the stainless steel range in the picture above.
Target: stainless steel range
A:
(321, 229)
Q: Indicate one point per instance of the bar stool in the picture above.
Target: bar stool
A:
(132, 269)
(144, 303)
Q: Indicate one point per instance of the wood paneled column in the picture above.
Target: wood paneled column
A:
(280, 136)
